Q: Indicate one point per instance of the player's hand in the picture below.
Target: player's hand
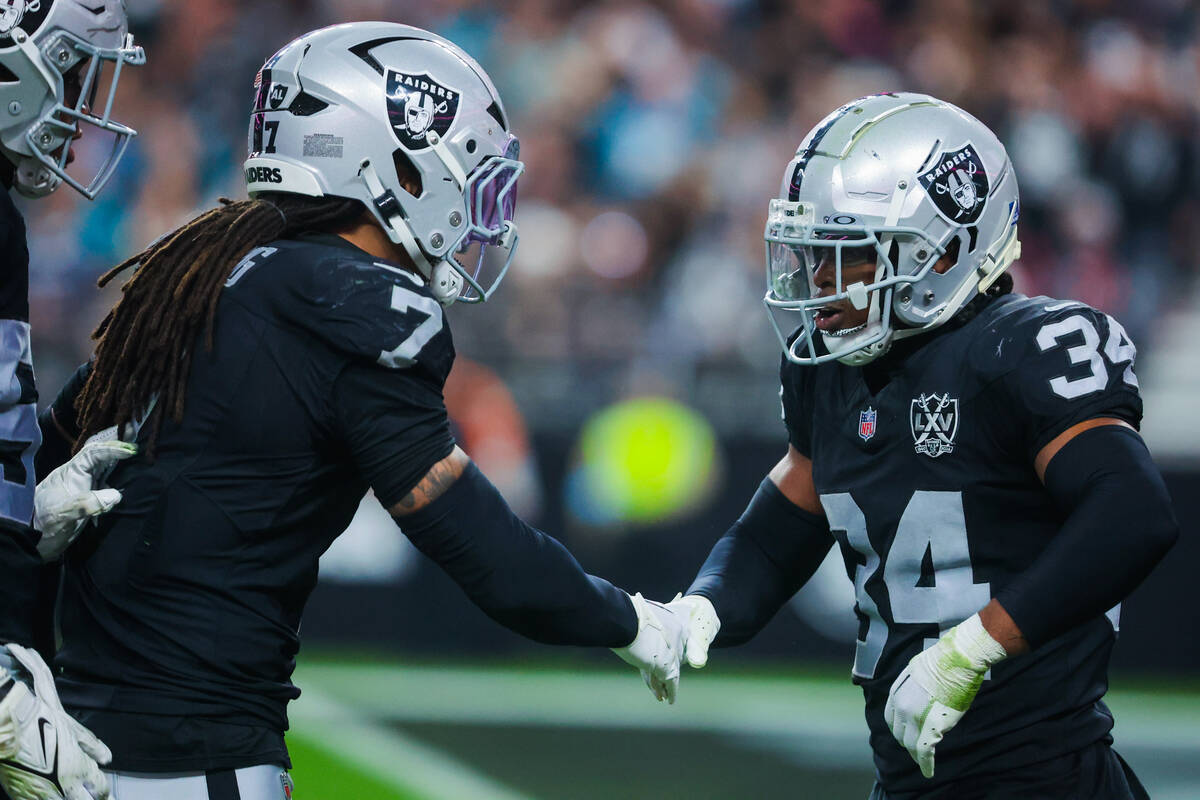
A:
(936, 688)
(71, 495)
(700, 626)
(657, 648)
(44, 753)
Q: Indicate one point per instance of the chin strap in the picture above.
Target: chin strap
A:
(444, 282)
(998, 259)
(447, 158)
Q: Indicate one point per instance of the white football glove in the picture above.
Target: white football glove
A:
(44, 754)
(657, 648)
(70, 495)
(700, 626)
(936, 688)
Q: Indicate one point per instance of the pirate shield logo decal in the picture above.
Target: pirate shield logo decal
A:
(957, 184)
(11, 12)
(25, 14)
(417, 104)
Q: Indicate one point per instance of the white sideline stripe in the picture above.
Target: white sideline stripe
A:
(390, 755)
(741, 706)
(721, 704)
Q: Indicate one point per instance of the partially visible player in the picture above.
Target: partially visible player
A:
(276, 357)
(55, 58)
(972, 452)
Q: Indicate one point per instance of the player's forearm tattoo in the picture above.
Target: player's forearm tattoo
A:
(439, 478)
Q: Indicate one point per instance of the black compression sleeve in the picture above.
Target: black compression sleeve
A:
(1119, 526)
(519, 576)
(768, 554)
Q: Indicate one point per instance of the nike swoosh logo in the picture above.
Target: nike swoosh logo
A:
(43, 723)
(52, 774)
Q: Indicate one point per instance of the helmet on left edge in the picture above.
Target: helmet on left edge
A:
(53, 59)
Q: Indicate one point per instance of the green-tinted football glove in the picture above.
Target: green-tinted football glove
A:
(936, 688)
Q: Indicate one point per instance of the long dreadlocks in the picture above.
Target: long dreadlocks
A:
(144, 346)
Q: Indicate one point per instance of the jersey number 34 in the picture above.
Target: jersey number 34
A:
(933, 523)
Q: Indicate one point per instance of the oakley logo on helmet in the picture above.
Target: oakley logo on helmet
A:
(417, 104)
(958, 185)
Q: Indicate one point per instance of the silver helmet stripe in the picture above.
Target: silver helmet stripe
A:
(37, 131)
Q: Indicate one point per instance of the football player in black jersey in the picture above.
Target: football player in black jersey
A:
(275, 358)
(55, 58)
(972, 452)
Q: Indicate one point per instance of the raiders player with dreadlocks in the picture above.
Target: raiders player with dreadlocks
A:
(55, 56)
(276, 357)
(972, 452)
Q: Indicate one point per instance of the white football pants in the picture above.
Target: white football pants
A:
(264, 782)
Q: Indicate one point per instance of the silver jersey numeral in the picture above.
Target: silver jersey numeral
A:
(933, 523)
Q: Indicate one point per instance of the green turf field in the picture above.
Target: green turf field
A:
(388, 731)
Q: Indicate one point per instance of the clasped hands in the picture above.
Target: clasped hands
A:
(928, 698)
(669, 634)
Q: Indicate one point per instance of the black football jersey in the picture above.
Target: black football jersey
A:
(19, 433)
(924, 462)
(325, 378)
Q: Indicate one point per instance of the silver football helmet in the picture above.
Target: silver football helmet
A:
(55, 57)
(896, 180)
(351, 109)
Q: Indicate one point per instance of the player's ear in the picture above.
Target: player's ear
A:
(948, 259)
(406, 171)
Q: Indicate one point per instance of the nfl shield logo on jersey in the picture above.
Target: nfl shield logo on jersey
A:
(866, 423)
(934, 420)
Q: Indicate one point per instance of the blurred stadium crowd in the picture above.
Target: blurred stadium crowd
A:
(654, 133)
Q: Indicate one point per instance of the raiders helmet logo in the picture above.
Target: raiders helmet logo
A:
(417, 104)
(12, 12)
(958, 185)
(25, 14)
